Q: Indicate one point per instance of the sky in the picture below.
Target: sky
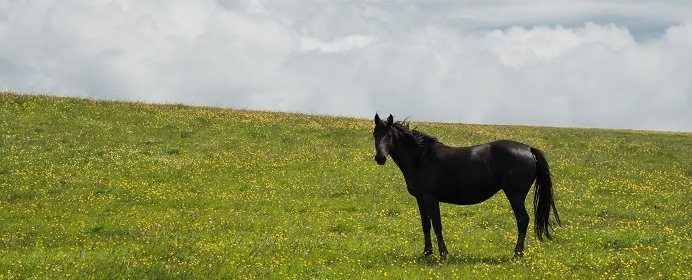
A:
(567, 63)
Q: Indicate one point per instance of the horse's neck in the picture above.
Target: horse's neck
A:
(407, 156)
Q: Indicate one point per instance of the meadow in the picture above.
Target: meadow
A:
(122, 190)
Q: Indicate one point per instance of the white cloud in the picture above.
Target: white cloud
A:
(255, 7)
(338, 45)
(518, 46)
(567, 63)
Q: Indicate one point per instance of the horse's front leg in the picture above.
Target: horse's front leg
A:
(425, 223)
(432, 206)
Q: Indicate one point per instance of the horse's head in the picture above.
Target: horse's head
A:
(383, 138)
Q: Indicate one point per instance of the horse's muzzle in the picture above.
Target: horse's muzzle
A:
(380, 159)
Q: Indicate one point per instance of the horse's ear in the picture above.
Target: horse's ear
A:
(378, 121)
(390, 120)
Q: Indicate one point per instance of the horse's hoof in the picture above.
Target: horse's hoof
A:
(426, 254)
(518, 254)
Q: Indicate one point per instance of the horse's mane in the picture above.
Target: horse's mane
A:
(421, 139)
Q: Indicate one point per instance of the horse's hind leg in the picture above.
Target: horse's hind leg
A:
(517, 202)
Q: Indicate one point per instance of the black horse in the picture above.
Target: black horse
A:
(437, 173)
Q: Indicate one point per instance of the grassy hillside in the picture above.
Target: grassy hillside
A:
(94, 189)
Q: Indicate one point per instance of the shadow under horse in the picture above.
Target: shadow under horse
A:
(437, 173)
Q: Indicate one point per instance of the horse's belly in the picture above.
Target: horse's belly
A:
(465, 195)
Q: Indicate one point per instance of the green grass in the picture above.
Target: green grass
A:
(97, 189)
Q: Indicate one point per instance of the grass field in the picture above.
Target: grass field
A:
(97, 189)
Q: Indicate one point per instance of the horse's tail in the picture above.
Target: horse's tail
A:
(543, 197)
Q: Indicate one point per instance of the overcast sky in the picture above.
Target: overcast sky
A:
(583, 63)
